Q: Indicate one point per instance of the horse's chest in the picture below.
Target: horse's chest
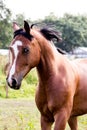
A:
(41, 99)
(48, 100)
(42, 103)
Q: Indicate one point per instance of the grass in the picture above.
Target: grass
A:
(26, 90)
(19, 111)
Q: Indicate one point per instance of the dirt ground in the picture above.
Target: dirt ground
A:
(18, 115)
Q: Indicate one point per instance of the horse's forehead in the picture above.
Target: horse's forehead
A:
(15, 46)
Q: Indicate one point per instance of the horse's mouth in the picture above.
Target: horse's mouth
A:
(15, 87)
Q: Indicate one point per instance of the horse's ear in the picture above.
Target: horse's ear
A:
(26, 27)
(15, 26)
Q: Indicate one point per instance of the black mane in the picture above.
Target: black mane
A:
(51, 34)
(23, 33)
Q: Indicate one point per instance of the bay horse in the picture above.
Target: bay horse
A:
(61, 94)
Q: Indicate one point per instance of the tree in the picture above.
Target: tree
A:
(73, 29)
(5, 25)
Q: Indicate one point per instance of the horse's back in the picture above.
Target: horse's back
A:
(81, 66)
(80, 98)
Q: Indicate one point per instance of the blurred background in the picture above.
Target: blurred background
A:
(17, 108)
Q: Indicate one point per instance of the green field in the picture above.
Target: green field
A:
(19, 111)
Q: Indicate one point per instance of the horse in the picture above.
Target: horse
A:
(61, 94)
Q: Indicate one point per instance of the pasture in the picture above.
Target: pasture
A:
(19, 111)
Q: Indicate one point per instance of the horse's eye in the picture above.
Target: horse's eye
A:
(25, 50)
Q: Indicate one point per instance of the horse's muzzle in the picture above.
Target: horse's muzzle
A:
(14, 84)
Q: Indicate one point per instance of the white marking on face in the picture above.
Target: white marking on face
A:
(15, 51)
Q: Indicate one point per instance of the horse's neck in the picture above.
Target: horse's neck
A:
(49, 57)
(48, 61)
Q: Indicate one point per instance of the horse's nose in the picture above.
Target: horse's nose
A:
(13, 83)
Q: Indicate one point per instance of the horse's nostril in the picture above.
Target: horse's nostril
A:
(14, 82)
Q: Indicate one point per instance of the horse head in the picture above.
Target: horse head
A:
(24, 54)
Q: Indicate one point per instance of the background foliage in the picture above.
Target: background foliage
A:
(73, 28)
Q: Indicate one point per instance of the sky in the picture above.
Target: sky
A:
(38, 9)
